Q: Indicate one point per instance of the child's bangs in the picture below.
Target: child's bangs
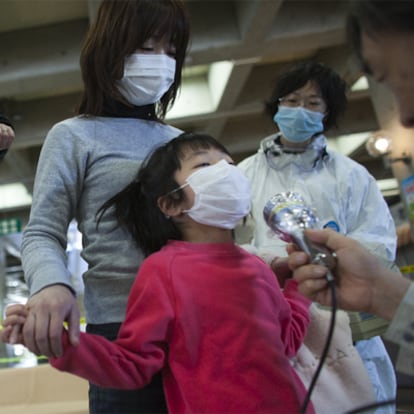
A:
(195, 143)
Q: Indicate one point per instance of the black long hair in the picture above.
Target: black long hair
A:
(120, 28)
(136, 208)
(332, 87)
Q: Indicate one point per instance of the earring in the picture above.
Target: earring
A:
(167, 216)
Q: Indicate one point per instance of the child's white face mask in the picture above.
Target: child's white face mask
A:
(222, 195)
(146, 78)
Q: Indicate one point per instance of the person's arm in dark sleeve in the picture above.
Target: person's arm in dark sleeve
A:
(6, 135)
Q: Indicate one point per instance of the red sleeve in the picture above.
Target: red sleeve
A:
(140, 349)
(294, 328)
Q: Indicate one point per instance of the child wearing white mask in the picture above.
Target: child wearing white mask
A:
(306, 103)
(208, 314)
(131, 63)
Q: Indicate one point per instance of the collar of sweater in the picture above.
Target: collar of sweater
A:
(116, 109)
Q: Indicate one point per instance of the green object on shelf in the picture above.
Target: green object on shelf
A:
(10, 225)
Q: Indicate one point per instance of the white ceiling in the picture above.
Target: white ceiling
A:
(40, 81)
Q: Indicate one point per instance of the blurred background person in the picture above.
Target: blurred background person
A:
(6, 135)
(404, 236)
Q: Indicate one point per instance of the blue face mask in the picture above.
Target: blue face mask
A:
(298, 124)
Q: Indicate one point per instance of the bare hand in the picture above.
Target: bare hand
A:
(48, 309)
(404, 235)
(281, 269)
(363, 283)
(16, 315)
(6, 136)
(280, 265)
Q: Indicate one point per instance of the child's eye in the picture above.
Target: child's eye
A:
(202, 164)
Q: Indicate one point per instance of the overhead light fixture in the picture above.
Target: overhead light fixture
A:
(14, 196)
(360, 85)
(379, 144)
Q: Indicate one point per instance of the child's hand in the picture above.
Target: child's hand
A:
(281, 269)
(13, 324)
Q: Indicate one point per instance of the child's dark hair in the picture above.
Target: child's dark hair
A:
(135, 207)
(332, 87)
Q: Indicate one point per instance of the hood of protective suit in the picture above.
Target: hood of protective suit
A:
(279, 155)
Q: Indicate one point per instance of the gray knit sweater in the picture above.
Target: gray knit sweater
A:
(83, 163)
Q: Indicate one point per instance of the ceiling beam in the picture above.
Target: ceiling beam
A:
(50, 65)
(256, 18)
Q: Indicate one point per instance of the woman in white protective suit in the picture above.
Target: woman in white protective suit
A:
(306, 102)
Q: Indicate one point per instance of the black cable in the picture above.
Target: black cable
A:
(305, 404)
(357, 410)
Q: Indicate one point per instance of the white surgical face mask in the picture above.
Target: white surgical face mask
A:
(146, 78)
(222, 195)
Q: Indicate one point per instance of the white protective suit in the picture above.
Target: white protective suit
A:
(347, 199)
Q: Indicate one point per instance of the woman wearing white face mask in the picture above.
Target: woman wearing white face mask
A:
(147, 77)
(306, 102)
(131, 65)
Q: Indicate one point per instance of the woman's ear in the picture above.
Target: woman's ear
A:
(168, 207)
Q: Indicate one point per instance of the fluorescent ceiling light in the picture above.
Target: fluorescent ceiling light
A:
(218, 76)
(14, 196)
(346, 144)
(194, 99)
(389, 187)
(202, 88)
(361, 84)
(388, 184)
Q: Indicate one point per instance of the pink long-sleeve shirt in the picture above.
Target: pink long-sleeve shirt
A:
(213, 318)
